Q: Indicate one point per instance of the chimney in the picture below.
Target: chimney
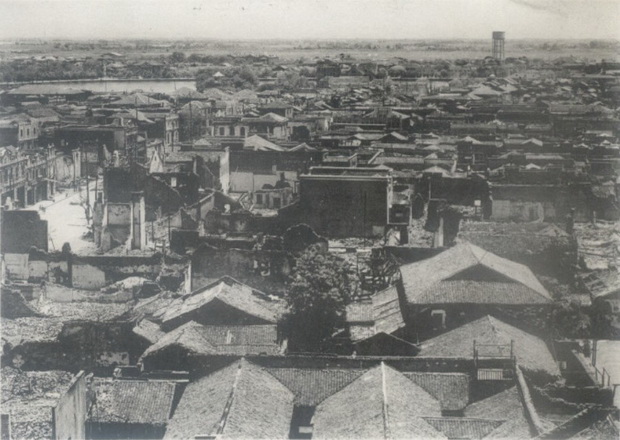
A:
(438, 237)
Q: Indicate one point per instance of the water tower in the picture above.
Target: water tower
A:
(498, 45)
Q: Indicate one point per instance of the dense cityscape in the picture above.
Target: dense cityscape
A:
(347, 239)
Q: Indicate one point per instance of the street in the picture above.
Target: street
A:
(66, 219)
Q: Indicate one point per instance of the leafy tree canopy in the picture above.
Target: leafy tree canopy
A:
(320, 287)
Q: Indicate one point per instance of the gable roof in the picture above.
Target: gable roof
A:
(148, 330)
(382, 315)
(257, 143)
(531, 352)
(505, 405)
(311, 386)
(187, 93)
(132, 401)
(272, 117)
(382, 403)
(230, 292)
(423, 280)
(241, 400)
(463, 428)
(515, 240)
(215, 93)
(139, 99)
(303, 147)
(450, 389)
(201, 407)
(223, 340)
(497, 406)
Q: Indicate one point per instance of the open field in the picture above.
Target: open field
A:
(356, 49)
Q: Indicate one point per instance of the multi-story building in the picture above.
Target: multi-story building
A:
(19, 131)
(26, 177)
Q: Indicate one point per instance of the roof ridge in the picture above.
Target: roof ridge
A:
(231, 399)
(494, 329)
(463, 418)
(386, 422)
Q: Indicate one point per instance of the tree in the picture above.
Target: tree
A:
(570, 321)
(248, 76)
(319, 288)
(177, 57)
(602, 318)
(205, 80)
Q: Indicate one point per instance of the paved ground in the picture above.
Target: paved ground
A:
(67, 220)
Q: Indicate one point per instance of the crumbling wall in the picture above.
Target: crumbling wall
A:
(70, 412)
(508, 210)
(89, 277)
(16, 266)
(95, 272)
(265, 270)
(14, 305)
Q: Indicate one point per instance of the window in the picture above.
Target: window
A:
(222, 131)
(490, 374)
(438, 318)
(259, 199)
(27, 132)
(231, 130)
(276, 202)
(242, 131)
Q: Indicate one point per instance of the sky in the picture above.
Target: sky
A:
(309, 19)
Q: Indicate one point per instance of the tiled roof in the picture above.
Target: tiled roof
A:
(132, 401)
(186, 92)
(451, 389)
(234, 294)
(30, 329)
(531, 352)
(149, 331)
(188, 336)
(219, 339)
(479, 292)
(514, 240)
(498, 406)
(420, 278)
(239, 401)
(258, 143)
(261, 406)
(42, 112)
(381, 403)
(381, 315)
(516, 427)
(505, 405)
(312, 386)
(201, 407)
(463, 428)
(139, 99)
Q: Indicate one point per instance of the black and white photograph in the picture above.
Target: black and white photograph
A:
(310, 219)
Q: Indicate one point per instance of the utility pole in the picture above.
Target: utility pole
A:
(364, 216)
(87, 201)
(191, 122)
(169, 230)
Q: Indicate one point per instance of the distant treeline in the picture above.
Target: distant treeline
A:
(44, 70)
